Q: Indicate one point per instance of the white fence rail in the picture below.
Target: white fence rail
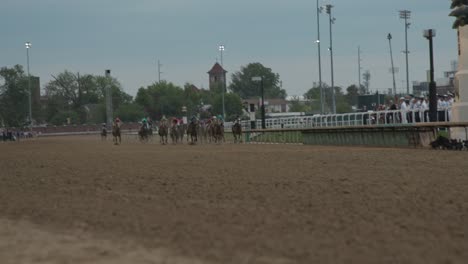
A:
(387, 117)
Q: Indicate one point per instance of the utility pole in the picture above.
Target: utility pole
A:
(322, 106)
(430, 34)
(332, 21)
(28, 46)
(109, 114)
(359, 67)
(389, 37)
(221, 49)
(159, 71)
(406, 14)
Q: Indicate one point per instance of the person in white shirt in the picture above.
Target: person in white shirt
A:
(425, 109)
(403, 109)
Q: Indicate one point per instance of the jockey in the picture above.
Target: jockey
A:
(144, 123)
(104, 129)
(220, 119)
(163, 120)
(117, 122)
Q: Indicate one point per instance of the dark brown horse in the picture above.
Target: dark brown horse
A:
(162, 131)
(104, 133)
(117, 139)
(216, 132)
(192, 131)
(237, 132)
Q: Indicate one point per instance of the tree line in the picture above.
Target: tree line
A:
(80, 98)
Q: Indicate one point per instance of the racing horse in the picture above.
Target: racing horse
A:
(116, 138)
(174, 131)
(237, 132)
(216, 132)
(162, 131)
(144, 133)
(192, 131)
(104, 133)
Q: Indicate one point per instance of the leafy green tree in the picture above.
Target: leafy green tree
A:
(243, 85)
(130, 112)
(298, 106)
(163, 98)
(313, 95)
(62, 118)
(342, 106)
(75, 92)
(460, 12)
(14, 105)
(192, 99)
(232, 104)
(352, 93)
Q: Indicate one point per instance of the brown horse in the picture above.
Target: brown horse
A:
(162, 131)
(216, 132)
(117, 139)
(104, 133)
(237, 132)
(192, 131)
(174, 132)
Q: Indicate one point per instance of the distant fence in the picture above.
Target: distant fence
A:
(370, 118)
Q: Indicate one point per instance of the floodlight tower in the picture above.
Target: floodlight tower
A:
(221, 50)
(332, 21)
(28, 46)
(319, 10)
(406, 14)
(389, 37)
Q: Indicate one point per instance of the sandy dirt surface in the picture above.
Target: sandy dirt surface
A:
(79, 200)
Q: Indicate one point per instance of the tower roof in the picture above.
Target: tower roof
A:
(217, 69)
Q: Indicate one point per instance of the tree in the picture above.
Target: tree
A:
(313, 95)
(342, 106)
(298, 106)
(130, 112)
(243, 85)
(352, 93)
(13, 96)
(460, 12)
(366, 76)
(160, 99)
(75, 93)
(232, 103)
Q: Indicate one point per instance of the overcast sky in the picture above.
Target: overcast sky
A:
(128, 37)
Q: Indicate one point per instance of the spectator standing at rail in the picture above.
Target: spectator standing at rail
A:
(416, 108)
(391, 116)
(425, 109)
(450, 101)
(403, 109)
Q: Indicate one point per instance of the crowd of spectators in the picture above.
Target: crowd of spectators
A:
(412, 109)
(14, 135)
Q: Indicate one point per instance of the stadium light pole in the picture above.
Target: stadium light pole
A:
(260, 79)
(430, 34)
(221, 49)
(28, 46)
(332, 21)
(406, 14)
(319, 10)
(389, 37)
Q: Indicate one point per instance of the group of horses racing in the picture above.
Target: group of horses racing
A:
(211, 131)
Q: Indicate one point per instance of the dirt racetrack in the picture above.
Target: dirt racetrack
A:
(79, 200)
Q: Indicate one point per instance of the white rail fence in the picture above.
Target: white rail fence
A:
(387, 117)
